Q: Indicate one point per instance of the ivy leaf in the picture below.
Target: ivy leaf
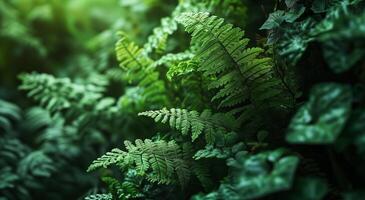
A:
(274, 20)
(258, 175)
(294, 13)
(278, 17)
(294, 41)
(323, 117)
(341, 56)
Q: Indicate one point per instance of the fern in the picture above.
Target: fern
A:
(112, 157)
(140, 71)
(159, 161)
(242, 75)
(82, 104)
(181, 69)
(123, 190)
(8, 112)
(57, 94)
(171, 59)
(100, 197)
(158, 40)
(214, 126)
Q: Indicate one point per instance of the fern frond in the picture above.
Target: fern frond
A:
(108, 196)
(112, 157)
(36, 118)
(11, 151)
(140, 71)
(36, 164)
(182, 68)
(242, 74)
(212, 125)
(130, 55)
(56, 94)
(173, 59)
(81, 104)
(158, 40)
(122, 190)
(160, 161)
(8, 112)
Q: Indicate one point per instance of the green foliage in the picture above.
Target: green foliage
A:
(82, 104)
(21, 168)
(125, 190)
(276, 116)
(256, 175)
(160, 161)
(240, 75)
(8, 112)
(56, 94)
(214, 126)
(141, 71)
(323, 117)
(235, 66)
(100, 197)
(336, 31)
(222, 153)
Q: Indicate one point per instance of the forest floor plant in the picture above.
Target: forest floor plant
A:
(204, 113)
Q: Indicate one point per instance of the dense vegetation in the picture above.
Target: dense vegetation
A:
(188, 99)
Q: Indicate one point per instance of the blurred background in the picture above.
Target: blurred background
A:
(69, 37)
(42, 154)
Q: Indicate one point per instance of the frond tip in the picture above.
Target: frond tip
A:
(112, 157)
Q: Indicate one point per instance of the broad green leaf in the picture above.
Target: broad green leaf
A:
(341, 56)
(294, 41)
(254, 176)
(274, 20)
(323, 117)
(294, 13)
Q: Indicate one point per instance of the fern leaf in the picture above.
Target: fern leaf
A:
(241, 72)
(140, 71)
(160, 35)
(113, 157)
(8, 112)
(108, 196)
(159, 161)
(186, 122)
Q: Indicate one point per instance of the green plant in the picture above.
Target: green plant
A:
(217, 108)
